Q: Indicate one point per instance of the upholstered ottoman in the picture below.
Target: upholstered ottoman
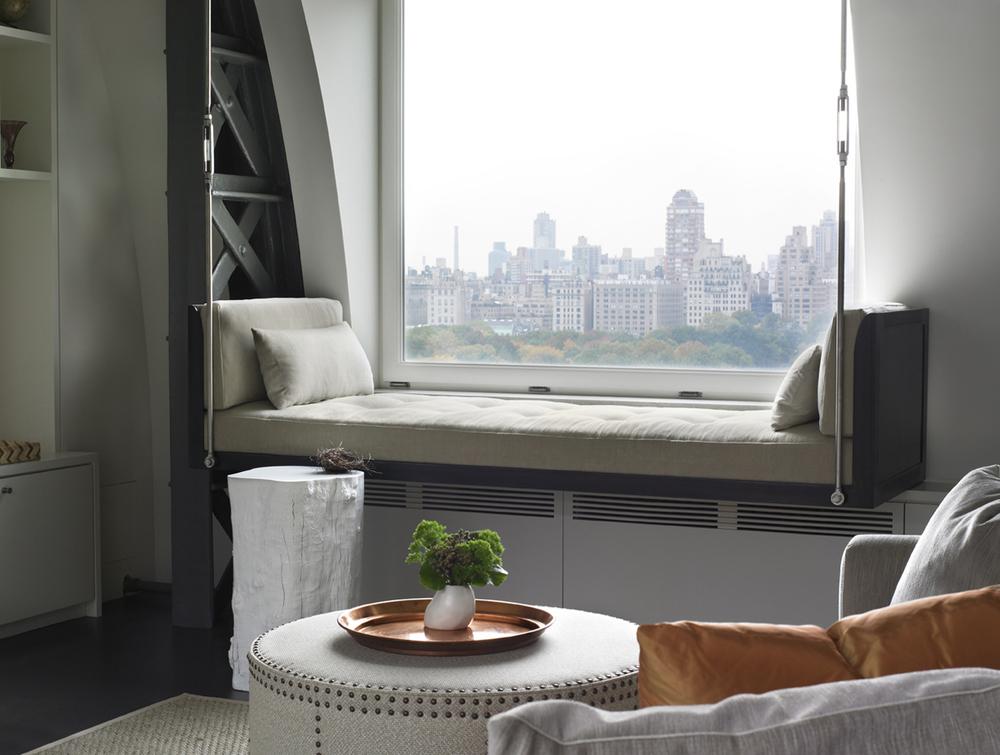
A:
(313, 689)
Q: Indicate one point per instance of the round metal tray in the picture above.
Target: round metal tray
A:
(397, 626)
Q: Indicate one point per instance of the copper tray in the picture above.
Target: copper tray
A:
(397, 626)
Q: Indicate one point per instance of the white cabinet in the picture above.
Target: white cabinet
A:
(49, 542)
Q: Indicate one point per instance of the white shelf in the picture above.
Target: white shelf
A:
(12, 37)
(13, 174)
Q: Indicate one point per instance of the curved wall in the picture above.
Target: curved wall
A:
(324, 63)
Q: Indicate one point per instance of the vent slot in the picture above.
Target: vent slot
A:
(539, 503)
(812, 521)
(595, 507)
(751, 517)
(385, 493)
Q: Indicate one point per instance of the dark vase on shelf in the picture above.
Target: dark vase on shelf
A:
(13, 10)
(9, 131)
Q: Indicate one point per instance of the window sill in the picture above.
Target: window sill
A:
(677, 403)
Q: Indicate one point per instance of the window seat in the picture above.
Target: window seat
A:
(535, 434)
(651, 449)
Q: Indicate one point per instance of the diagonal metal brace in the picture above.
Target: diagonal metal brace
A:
(246, 137)
(241, 250)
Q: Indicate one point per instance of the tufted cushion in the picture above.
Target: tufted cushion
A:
(236, 373)
(538, 434)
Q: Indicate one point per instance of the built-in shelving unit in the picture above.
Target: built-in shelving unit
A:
(14, 37)
(28, 231)
(12, 174)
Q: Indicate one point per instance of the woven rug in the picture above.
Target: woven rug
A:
(186, 724)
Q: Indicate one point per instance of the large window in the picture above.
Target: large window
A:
(629, 185)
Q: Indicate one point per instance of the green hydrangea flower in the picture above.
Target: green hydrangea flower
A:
(458, 558)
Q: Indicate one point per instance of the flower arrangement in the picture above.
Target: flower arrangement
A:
(456, 558)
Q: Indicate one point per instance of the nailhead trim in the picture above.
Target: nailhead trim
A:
(472, 704)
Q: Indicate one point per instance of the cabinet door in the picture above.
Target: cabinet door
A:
(46, 542)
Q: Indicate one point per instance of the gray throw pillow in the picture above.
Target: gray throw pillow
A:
(310, 365)
(797, 399)
(960, 547)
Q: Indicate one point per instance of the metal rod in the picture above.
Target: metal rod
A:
(209, 319)
(837, 498)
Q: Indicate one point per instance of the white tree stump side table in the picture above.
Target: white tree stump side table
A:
(296, 550)
(313, 689)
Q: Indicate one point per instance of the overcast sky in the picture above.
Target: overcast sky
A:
(597, 111)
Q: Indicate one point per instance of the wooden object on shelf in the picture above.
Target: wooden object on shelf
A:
(14, 451)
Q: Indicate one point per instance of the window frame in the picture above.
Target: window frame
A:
(747, 385)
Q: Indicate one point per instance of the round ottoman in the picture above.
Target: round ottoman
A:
(313, 689)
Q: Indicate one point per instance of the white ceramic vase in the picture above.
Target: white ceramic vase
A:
(451, 608)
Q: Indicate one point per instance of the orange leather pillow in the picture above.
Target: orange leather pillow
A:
(957, 630)
(688, 663)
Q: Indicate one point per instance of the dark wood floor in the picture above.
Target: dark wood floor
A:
(61, 679)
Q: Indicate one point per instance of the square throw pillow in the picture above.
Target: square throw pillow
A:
(946, 631)
(797, 400)
(314, 364)
(690, 663)
(960, 546)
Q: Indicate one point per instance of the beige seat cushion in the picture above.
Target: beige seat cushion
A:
(236, 371)
(538, 434)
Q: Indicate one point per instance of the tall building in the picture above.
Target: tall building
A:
(586, 259)
(456, 268)
(801, 291)
(544, 236)
(417, 289)
(498, 259)
(685, 230)
(825, 241)
(446, 302)
(717, 284)
(637, 307)
(572, 304)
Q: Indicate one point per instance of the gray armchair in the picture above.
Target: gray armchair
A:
(870, 569)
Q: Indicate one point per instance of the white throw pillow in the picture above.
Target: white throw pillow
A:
(960, 547)
(797, 402)
(314, 364)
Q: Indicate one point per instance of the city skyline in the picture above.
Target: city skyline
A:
(647, 99)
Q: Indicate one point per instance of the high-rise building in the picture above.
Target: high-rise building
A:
(456, 268)
(417, 289)
(685, 230)
(544, 236)
(825, 241)
(586, 259)
(801, 291)
(637, 307)
(446, 303)
(498, 259)
(717, 284)
(572, 304)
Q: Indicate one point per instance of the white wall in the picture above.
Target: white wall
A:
(113, 270)
(929, 114)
